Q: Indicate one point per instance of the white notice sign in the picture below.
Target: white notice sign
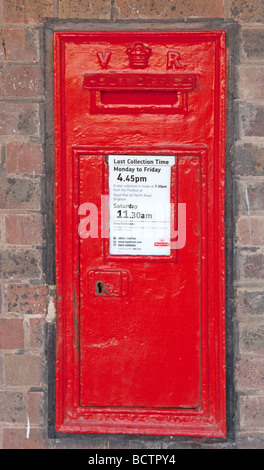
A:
(139, 204)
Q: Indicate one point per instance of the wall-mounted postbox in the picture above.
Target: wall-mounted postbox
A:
(140, 141)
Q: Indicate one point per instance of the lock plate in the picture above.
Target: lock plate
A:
(107, 283)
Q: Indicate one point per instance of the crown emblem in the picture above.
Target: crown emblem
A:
(138, 55)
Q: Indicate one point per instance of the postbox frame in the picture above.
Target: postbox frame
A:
(210, 420)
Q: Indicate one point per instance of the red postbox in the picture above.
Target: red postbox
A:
(140, 142)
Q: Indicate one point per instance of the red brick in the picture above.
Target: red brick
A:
(251, 82)
(93, 441)
(250, 374)
(2, 230)
(253, 43)
(252, 412)
(20, 81)
(23, 11)
(252, 265)
(1, 369)
(251, 336)
(20, 264)
(26, 298)
(250, 231)
(251, 197)
(250, 302)
(24, 157)
(19, 119)
(249, 159)
(35, 407)
(245, 11)
(12, 407)
(18, 193)
(23, 229)
(249, 440)
(21, 45)
(36, 326)
(23, 369)
(2, 52)
(98, 9)
(251, 117)
(17, 439)
(11, 333)
(2, 306)
(155, 9)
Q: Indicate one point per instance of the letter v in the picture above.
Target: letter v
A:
(104, 58)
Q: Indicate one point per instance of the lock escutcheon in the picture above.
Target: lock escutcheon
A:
(99, 287)
(107, 283)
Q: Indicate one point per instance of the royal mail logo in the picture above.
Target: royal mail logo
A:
(138, 55)
(161, 244)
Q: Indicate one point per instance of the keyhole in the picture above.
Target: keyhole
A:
(99, 287)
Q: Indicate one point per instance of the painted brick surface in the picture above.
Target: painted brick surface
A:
(24, 206)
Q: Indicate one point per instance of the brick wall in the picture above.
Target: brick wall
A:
(249, 173)
(24, 293)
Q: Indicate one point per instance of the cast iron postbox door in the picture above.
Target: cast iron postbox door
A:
(140, 138)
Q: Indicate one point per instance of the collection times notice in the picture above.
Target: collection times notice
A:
(139, 204)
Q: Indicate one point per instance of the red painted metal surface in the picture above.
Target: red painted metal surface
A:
(141, 339)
